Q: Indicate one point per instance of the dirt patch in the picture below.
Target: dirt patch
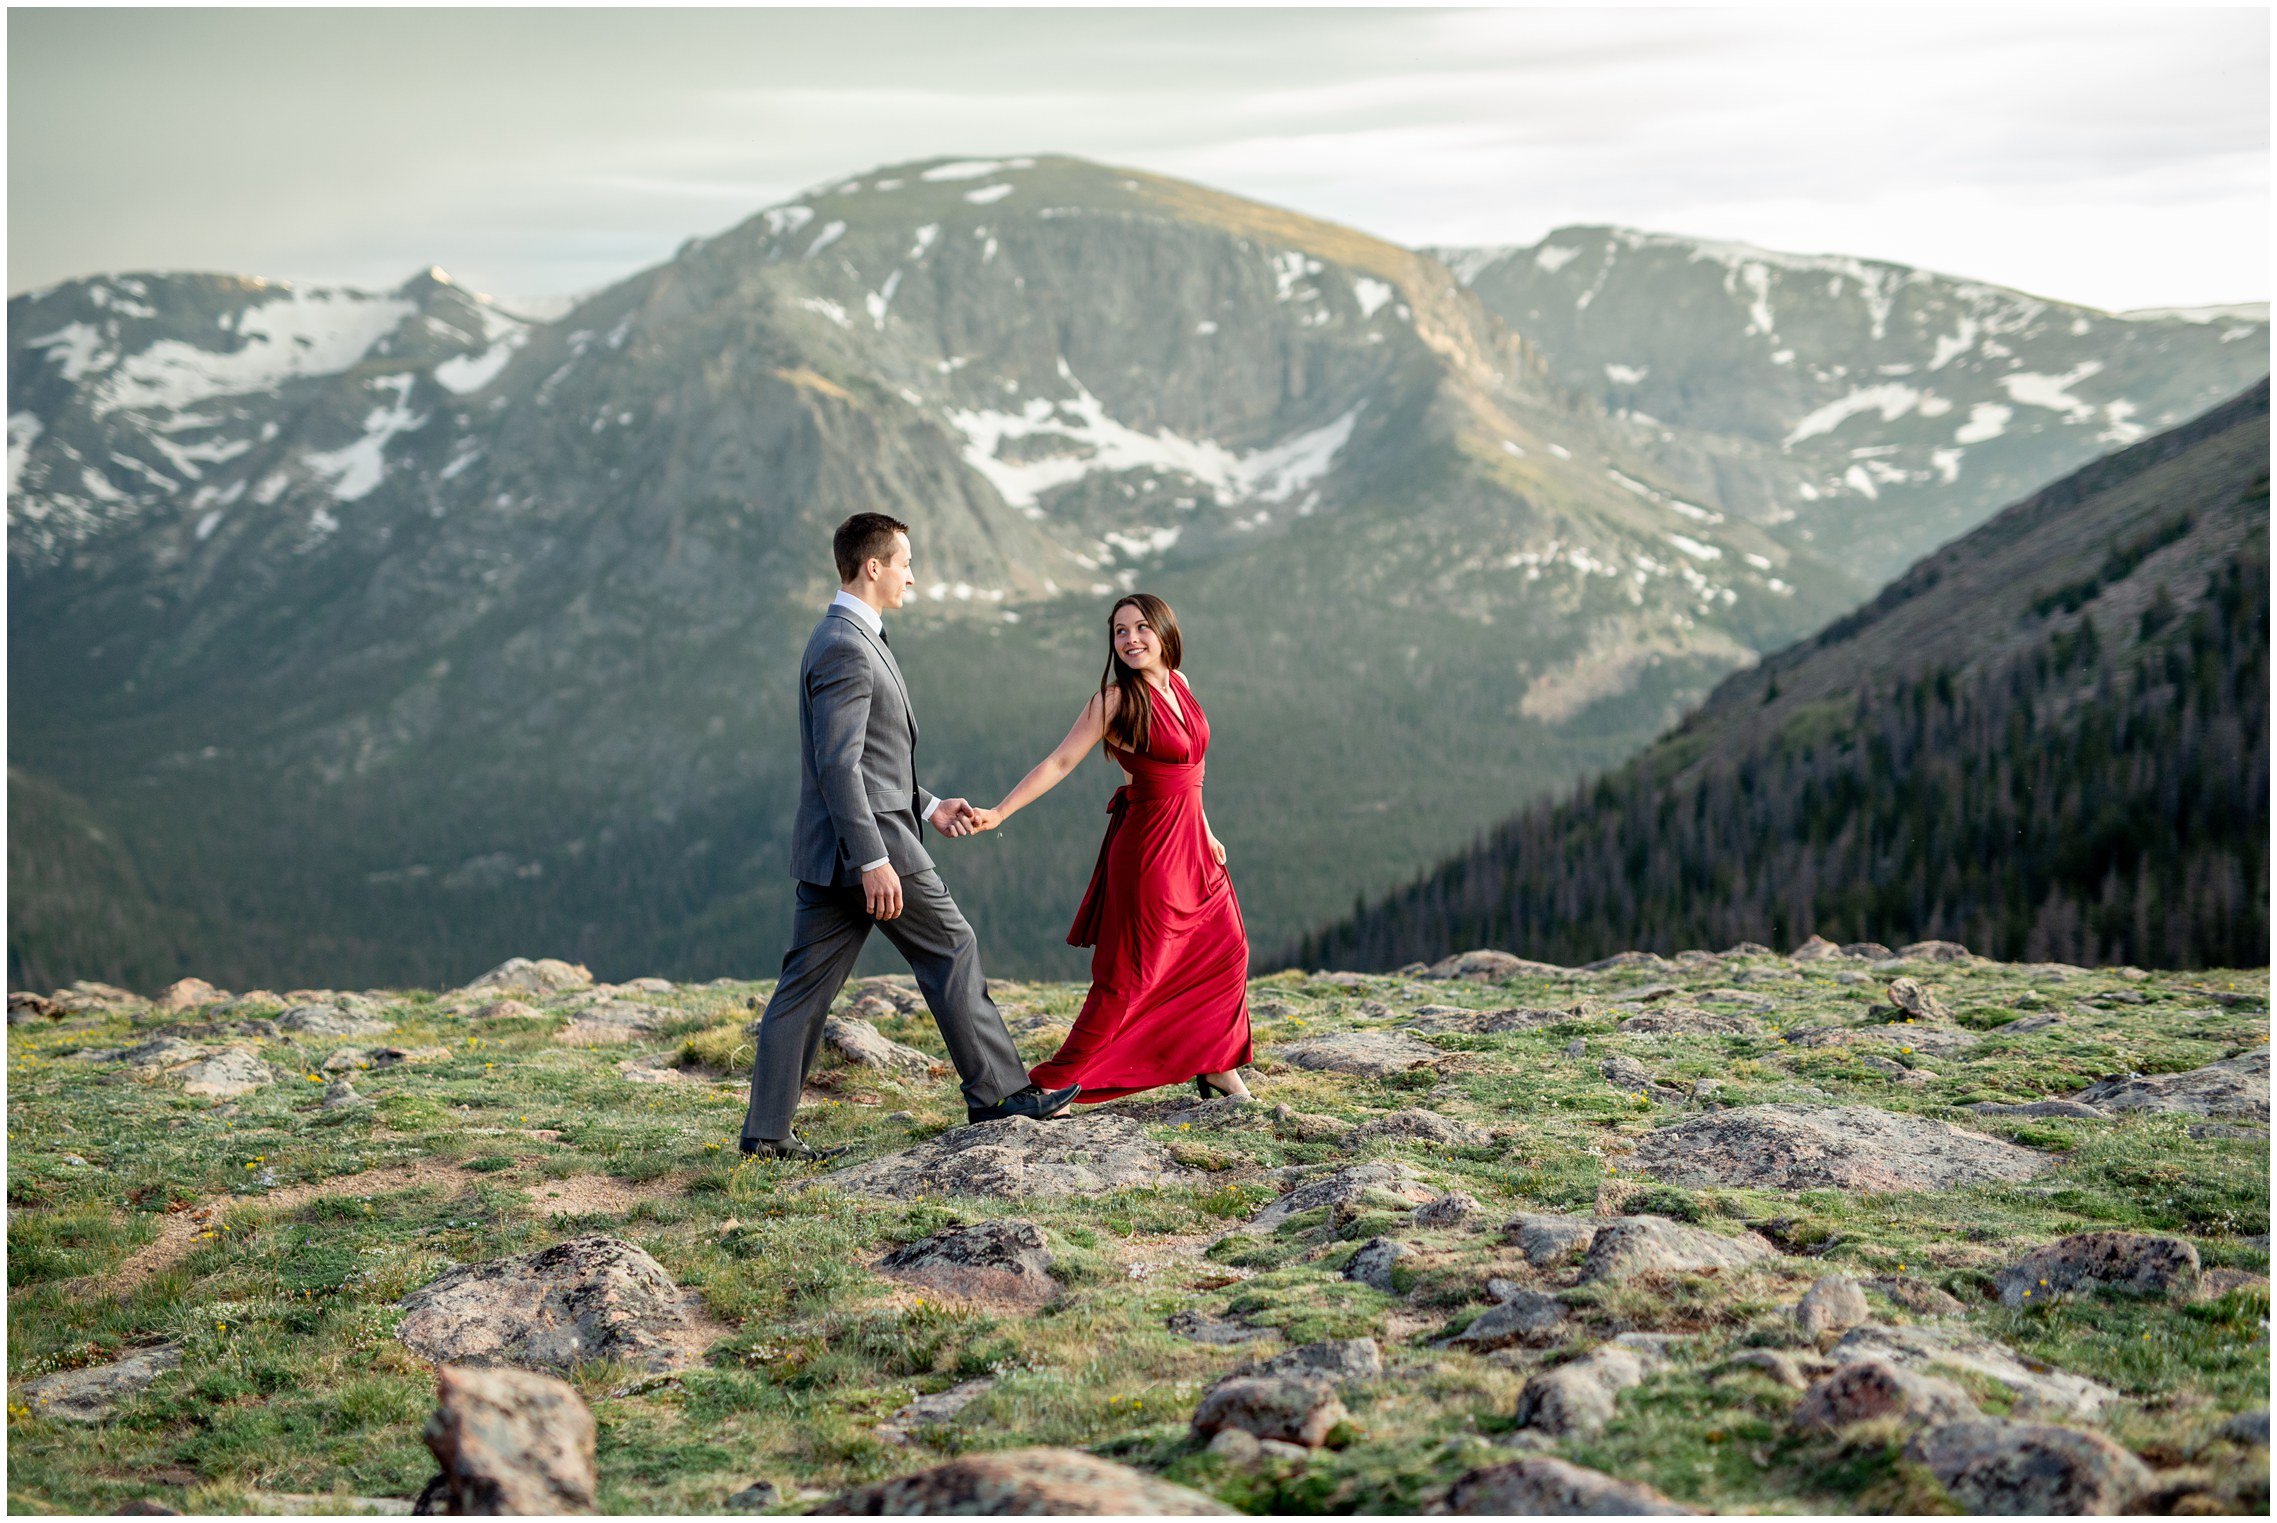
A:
(590, 1194)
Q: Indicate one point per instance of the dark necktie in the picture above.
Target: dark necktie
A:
(883, 639)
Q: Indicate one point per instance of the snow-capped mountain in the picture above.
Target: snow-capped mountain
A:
(1868, 410)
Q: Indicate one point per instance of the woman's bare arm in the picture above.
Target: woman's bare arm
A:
(1089, 729)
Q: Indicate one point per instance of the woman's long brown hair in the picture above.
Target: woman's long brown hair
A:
(1132, 723)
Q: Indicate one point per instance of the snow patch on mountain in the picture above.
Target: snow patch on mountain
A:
(356, 468)
(297, 333)
(1096, 442)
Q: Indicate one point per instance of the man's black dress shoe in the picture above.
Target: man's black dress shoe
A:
(1036, 1104)
(792, 1147)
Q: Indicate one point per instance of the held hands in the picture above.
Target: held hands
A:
(957, 818)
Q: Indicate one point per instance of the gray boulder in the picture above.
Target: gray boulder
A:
(1343, 1360)
(1549, 1240)
(937, 1410)
(2134, 1262)
(1833, 1304)
(1525, 1317)
(2021, 1469)
(2236, 1086)
(2040, 1390)
(227, 1074)
(862, 1045)
(1911, 996)
(2067, 1109)
(757, 1497)
(330, 1020)
(87, 1395)
(1577, 1399)
(1916, 1295)
(1686, 1020)
(1420, 1126)
(590, 1297)
(1874, 1388)
(1351, 1187)
(520, 975)
(2248, 1428)
(609, 1020)
(1365, 1054)
(1019, 1159)
(1633, 1245)
(1375, 1262)
(1201, 1327)
(1806, 1147)
(1489, 965)
(1540, 1486)
(1294, 1409)
(1451, 1209)
(1002, 1260)
(1022, 1483)
(511, 1443)
(1936, 951)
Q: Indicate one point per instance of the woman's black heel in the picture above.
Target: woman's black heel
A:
(1207, 1090)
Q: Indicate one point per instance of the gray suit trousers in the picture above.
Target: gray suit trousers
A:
(828, 927)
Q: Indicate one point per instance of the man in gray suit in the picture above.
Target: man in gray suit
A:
(859, 857)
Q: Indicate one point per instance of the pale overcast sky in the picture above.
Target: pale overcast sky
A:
(2114, 157)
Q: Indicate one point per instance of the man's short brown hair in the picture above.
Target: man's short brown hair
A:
(862, 536)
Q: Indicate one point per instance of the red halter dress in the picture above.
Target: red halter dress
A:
(1170, 962)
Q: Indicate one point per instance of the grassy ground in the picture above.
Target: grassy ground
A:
(271, 1239)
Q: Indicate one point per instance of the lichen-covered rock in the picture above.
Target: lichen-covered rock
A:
(1916, 1295)
(862, 1045)
(227, 1074)
(1685, 1020)
(1578, 1398)
(1905, 1036)
(188, 994)
(1489, 965)
(1365, 1054)
(2236, 1086)
(1294, 1408)
(1525, 1317)
(2072, 1110)
(1450, 1018)
(1018, 1159)
(2019, 1469)
(612, 1020)
(87, 1395)
(590, 1297)
(1002, 1260)
(934, 1411)
(1549, 1240)
(2040, 1390)
(1451, 1209)
(2135, 1262)
(1875, 1388)
(1815, 949)
(1201, 1327)
(1419, 1126)
(1805, 1147)
(1376, 1264)
(1833, 1304)
(1343, 1360)
(1915, 999)
(512, 1443)
(1354, 1185)
(329, 1020)
(1022, 1483)
(1542, 1487)
(546, 975)
(1633, 1245)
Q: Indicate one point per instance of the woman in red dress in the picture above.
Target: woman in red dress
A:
(1170, 962)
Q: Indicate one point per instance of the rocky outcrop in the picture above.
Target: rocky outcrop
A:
(1021, 1483)
(590, 1297)
(330, 1020)
(1364, 1054)
(1524, 1317)
(187, 994)
(87, 1395)
(1201, 1327)
(609, 1020)
(2236, 1086)
(1549, 1240)
(227, 1074)
(1376, 1264)
(1296, 1408)
(1633, 1245)
(2022, 1469)
(1019, 1159)
(1685, 1020)
(1874, 1388)
(2134, 1262)
(1451, 1209)
(1490, 965)
(2070, 1110)
(1003, 1260)
(520, 975)
(511, 1443)
(1551, 1488)
(1347, 1361)
(1802, 1147)
(1356, 1185)
(1419, 1126)
(2040, 1390)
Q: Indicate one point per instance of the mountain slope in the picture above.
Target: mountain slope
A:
(1868, 410)
(2049, 740)
(479, 637)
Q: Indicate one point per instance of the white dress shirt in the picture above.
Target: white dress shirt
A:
(876, 624)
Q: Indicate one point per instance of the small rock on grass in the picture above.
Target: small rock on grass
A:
(1420, 1126)
(87, 1395)
(1875, 1388)
(1374, 1264)
(590, 1297)
(1833, 1304)
(1344, 1360)
(1294, 1408)
(1524, 1317)
(2134, 1262)
(1548, 1239)
(1916, 1295)
(2040, 1390)
(862, 1045)
(2250, 1428)
(1024, 1483)
(2019, 1469)
(1578, 1398)
(227, 1074)
(756, 1497)
(1546, 1487)
(1915, 1000)
(1856, 1147)
(511, 1443)
(932, 1411)
(1002, 1260)
(1632, 1245)
(2236, 1086)
(1451, 1209)
(1201, 1327)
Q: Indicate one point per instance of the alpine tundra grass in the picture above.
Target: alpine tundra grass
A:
(269, 1238)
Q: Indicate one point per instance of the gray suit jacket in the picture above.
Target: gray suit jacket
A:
(858, 793)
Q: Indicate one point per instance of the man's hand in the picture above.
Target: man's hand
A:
(881, 892)
(953, 818)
